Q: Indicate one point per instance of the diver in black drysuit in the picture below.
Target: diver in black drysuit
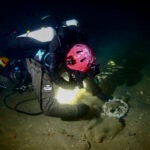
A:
(45, 71)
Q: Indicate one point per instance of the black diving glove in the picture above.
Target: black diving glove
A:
(94, 70)
(104, 97)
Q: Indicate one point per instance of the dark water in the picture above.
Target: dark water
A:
(110, 26)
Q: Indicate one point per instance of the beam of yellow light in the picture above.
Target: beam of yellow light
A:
(74, 96)
(64, 96)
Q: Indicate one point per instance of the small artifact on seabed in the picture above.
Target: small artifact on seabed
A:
(115, 108)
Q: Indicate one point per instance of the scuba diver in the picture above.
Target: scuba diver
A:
(48, 53)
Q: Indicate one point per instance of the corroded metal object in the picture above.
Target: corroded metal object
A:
(115, 108)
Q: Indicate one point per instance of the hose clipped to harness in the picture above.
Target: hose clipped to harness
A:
(15, 108)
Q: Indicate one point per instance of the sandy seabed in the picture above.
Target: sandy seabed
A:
(23, 132)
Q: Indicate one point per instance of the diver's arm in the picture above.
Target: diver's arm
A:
(64, 111)
(45, 91)
(51, 107)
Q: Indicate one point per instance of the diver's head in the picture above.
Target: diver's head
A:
(80, 58)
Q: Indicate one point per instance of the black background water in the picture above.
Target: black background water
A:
(111, 26)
